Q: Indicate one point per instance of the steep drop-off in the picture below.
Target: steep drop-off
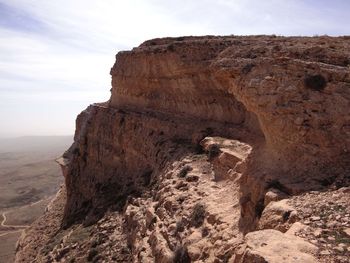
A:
(201, 138)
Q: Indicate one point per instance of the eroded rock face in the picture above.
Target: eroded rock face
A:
(118, 153)
(297, 87)
(201, 139)
(293, 91)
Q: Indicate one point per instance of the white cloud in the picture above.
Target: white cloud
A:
(56, 55)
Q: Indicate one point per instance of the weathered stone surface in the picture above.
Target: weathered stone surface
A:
(273, 195)
(273, 246)
(232, 78)
(278, 215)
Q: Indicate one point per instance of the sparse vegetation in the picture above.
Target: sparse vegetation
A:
(286, 215)
(199, 149)
(181, 199)
(341, 237)
(315, 82)
(205, 232)
(92, 253)
(53, 243)
(192, 178)
(181, 255)
(94, 243)
(180, 226)
(198, 215)
(184, 170)
(213, 151)
(201, 156)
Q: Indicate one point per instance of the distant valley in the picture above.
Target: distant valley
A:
(29, 177)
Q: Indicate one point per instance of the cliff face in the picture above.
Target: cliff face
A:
(119, 153)
(271, 114)
(291, 84)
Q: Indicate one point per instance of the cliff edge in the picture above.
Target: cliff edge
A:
(203, 153)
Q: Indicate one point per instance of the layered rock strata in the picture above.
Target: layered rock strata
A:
(251, 120)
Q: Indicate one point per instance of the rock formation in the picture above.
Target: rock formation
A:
(200, 151)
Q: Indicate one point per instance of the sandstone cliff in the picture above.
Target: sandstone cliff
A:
(201, 139)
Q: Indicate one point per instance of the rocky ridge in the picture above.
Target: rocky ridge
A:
(211, 149)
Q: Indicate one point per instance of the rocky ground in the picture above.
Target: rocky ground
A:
(189, 213)
(192, 212)
(326, 222)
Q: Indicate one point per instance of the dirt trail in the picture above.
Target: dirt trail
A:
(10, 226)
(18, 228)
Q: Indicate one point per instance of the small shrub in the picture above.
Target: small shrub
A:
(181, 255)
(181, 199)
(315, 82)
(180, 226)
(198, 215)
(199, 149)
(205, 232)
(286, 216)
(95, 243)
(213, 151)
(192, 178)
(342, 237)
(92, 253)
(184, 170)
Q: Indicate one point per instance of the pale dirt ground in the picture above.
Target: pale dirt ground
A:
(29, 177)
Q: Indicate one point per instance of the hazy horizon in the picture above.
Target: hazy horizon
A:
(35, 143)
(56, 55)
(34, 136)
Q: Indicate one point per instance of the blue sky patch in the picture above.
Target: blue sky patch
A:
(16, 19)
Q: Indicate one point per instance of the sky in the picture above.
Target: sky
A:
(55, 56)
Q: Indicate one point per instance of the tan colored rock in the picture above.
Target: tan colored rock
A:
(296, 228)
(347, 231)
(161, 251)
(273, 195)
(150, 216)
(278, 215)
(230, 156)
(228, 79)
(273, 246)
